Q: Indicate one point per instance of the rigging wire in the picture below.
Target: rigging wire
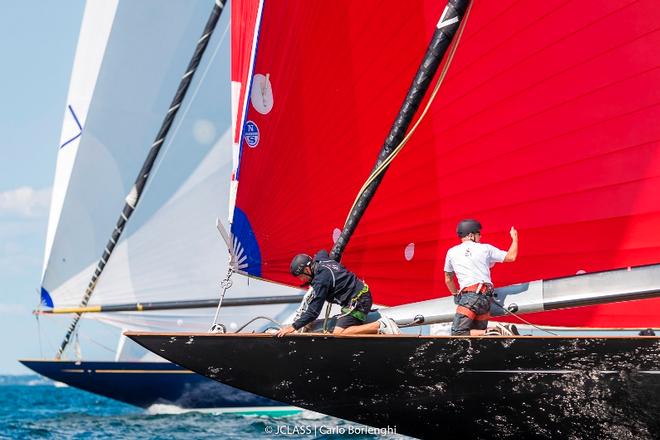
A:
(383, 166)
(93, 341)
(507, 311)
(182, 118)
(226, 285)
(87, 337)
(41, 349)
(36, 315)
(46, 336)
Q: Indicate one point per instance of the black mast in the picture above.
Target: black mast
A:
(444, 33)
(133, 197)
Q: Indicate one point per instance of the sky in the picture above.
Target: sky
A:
(37, 43)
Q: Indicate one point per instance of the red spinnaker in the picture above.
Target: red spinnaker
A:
(547, 120)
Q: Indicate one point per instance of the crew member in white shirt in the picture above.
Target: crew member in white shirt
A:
(470, 263)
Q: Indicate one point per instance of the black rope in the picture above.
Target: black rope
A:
(444, 33)
(134, 196)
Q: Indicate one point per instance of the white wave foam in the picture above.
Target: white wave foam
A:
(270, 411)
(160, 408)
(311, 415)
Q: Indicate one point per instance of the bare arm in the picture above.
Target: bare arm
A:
(449, 281)
(512, 253)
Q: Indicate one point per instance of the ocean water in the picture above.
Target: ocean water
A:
(33, 407)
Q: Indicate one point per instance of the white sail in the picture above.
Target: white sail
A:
(145, 55)
(170, 249)
(94, 33)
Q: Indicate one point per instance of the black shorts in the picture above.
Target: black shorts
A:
(478, 304)
(364, 303)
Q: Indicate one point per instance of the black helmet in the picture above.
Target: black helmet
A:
(468, 226)
(299, 263)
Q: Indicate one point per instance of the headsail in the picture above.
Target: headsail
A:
(545, 121)
(127, 107)
(170, 251)
(94, 34)
(133, 197)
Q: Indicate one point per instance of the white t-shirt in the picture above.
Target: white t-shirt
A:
(471, 262)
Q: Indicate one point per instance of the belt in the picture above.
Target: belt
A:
(483, 288)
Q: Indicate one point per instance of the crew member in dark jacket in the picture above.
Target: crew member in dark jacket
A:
(330, 281)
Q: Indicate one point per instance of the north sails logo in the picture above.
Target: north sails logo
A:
(251, 134)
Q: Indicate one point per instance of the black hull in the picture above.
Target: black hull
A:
(440, 387)
(147, 383)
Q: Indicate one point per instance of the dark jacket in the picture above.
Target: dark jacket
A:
(331, 282)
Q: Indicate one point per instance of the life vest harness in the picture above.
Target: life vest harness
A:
(350, 310)
(483, 288)
(471, 314)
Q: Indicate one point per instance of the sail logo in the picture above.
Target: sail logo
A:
(71, 128)
(245, 245)
(251, 134)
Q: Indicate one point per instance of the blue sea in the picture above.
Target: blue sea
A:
(34, 407)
